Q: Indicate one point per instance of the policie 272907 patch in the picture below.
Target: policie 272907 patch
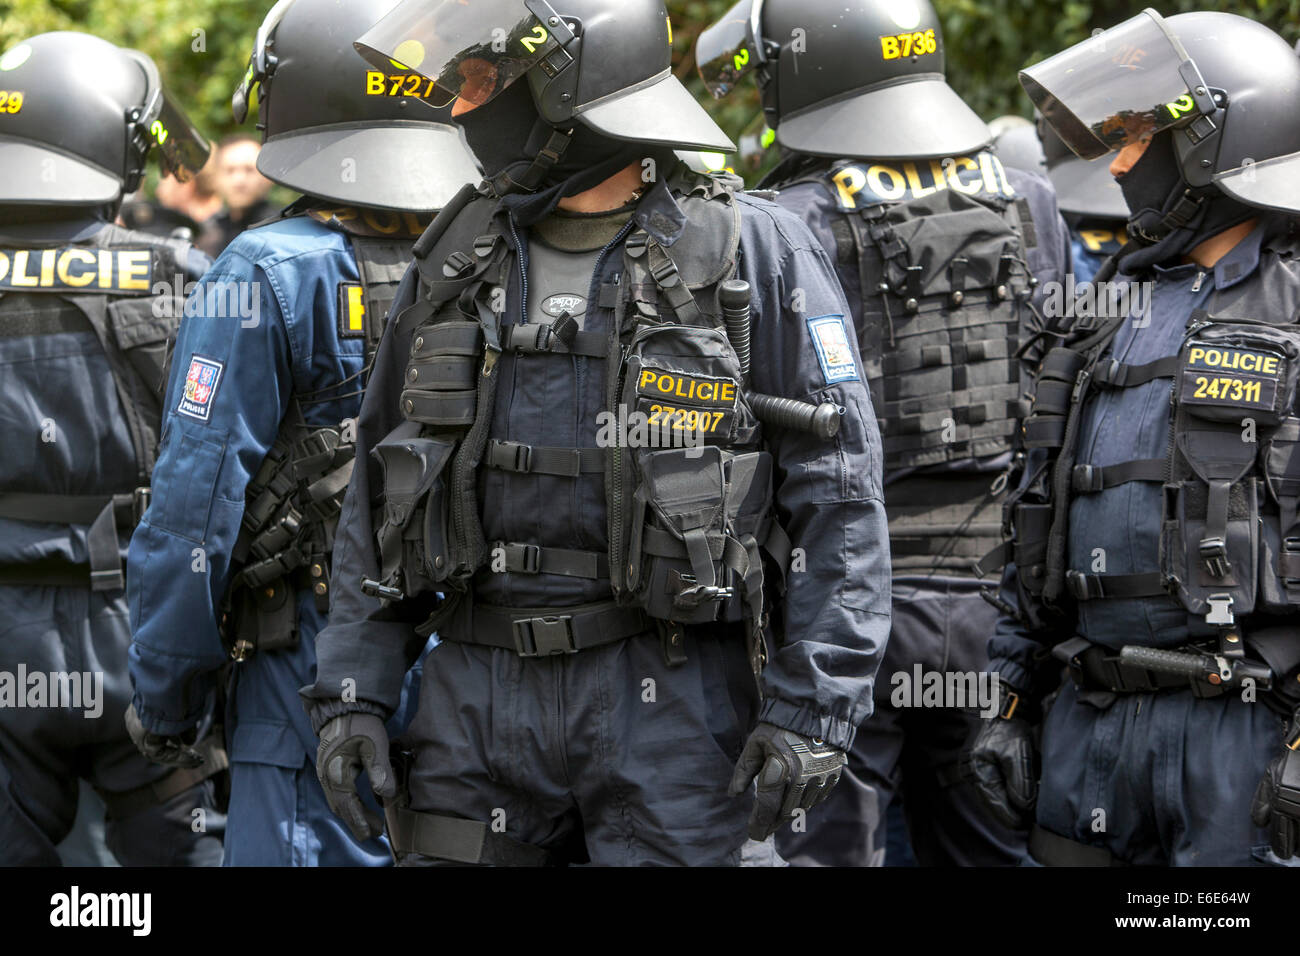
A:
(200, 389)
(679, 401)
(831, 341)
(1234, 377)
(352, 311)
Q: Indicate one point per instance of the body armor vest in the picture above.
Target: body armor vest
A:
(292, 503)
(689, 492)
(940, 250)
(1230, 541)
(104, 284)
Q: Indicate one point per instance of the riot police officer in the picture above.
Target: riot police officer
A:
(939, 248)
(1155, 550)
(575, 486)
(82, 340)
(268, 372)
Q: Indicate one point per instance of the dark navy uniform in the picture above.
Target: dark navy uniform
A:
(611, 743)
(83, 332)
(940, 621)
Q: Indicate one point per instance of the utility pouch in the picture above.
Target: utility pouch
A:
(697, 516)
(412, 532)
(442, 374)
(1280, 559)
(686, 383)
(1045, 426)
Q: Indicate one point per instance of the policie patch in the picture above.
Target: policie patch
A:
(833, 352)
(352, 311)
(1233, 377)
(681, 401)
(77, 269)
(200, 388)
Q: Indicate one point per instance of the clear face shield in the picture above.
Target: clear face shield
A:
(470, 49)
(731, 48)
(182, 149)
(1120, 87)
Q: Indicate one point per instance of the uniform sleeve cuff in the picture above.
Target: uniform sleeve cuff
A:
(321, 712)
(834, 730)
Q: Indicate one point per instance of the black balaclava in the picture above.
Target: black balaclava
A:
(508, 133)
(1153, 188)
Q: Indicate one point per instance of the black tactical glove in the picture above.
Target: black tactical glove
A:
(349, 744)
(171, 750)
(1277, 799)
(1004, 760)
(797, 774)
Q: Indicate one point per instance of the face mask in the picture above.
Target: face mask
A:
(1154, 188)
(507, 135)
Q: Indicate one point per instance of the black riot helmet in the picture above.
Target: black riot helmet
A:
(605, 64)
(79, 118)
(336, 128)
(853, 78)
(1224, 89)
(1084, 187)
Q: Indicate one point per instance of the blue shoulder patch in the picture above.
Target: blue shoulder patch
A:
(831, 340)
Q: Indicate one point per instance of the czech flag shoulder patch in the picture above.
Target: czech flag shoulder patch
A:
(831, 341)
(201, 383)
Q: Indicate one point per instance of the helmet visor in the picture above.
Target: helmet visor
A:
(464, 48)
(730, 48)
(182, 149)
(1119, 87)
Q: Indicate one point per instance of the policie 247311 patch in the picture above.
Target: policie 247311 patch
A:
(200, 389)
(1235, 377)
(831, 341)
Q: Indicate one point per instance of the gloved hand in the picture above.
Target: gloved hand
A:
(349, 744)
(171, 750)
(1277, 801)
(797, 774)
(1005, 762)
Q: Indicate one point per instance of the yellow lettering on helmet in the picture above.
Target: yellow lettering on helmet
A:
(889, 48)
(849, 182)
(85, 276)
(374, 83)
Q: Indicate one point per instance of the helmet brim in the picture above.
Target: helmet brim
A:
(37, 174)
(660, 112)
(1086, 188)
(415, 166)
(1268, 184)
(919, 119)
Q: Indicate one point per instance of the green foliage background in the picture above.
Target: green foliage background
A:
(201, 46)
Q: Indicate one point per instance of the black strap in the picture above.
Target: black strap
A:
(1051, 849)
(536, 337)
(535, 559)
(1090, 587)
(459, 840)
(1088, 479)
(539, 632)
(537, 460)
(1115, 374)
(126, 804)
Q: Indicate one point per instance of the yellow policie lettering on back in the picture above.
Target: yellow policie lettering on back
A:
(76, 269)
(861, 185)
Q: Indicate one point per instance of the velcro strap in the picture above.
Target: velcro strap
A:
(457, 840)
(536, 460)
(1087, 479)
(996, 559)
(1115, 374)
(447, 338)
(443, 372)
(1090, 587)
(534, 559)
(439, 408)
(1045, 432)
(65, 509)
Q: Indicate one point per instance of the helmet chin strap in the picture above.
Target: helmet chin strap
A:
(532, 178)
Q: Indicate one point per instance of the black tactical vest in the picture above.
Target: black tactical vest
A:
(1230, 543)
(685, 523)
(292, 503)
(940, 249)
(105, 284)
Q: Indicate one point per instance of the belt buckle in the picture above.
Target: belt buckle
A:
(1220, 612)
(544, 636)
